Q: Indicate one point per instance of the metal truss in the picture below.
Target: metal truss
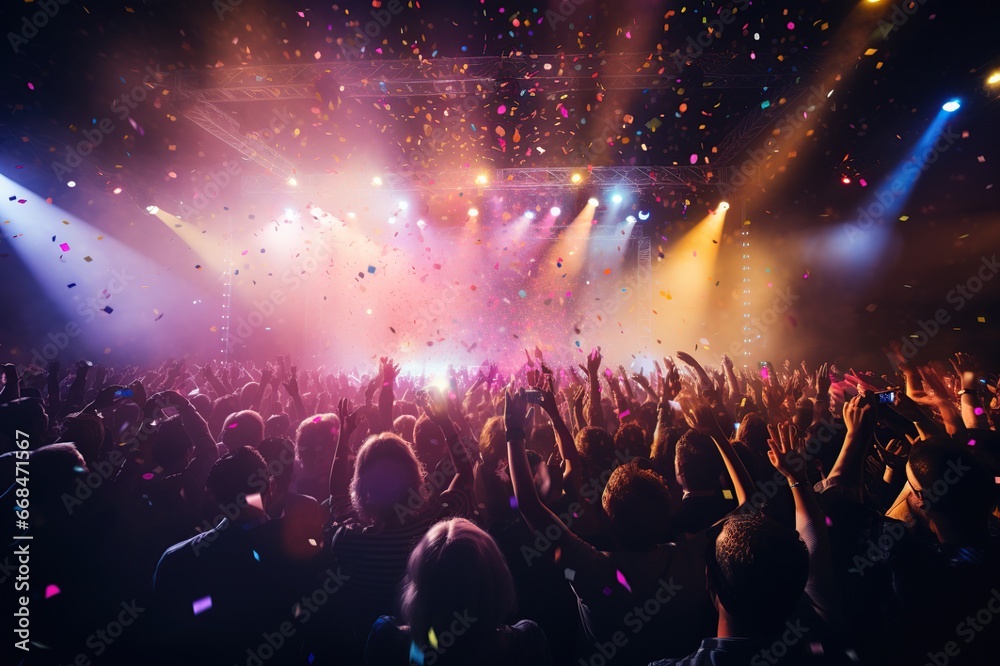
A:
(754, 122)
(219, 124)
(534, 75)
(627, 178)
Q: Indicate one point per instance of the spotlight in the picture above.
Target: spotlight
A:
(117, 190)
(554, 211)
(951, 106)
(421, 224)
(994, 78)
(289, 213)
(643, 215)
(845, 180)
(630, 219)
(473, 212)
(724, 206)
(482, 179)
(403, 205)
(529, 215)
(377, 181)
(152, 210)
(575, 178)
(291, 181)
(617, 198)
(71, 183)
(593, 202)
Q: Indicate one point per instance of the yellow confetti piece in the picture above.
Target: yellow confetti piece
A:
(432, 638)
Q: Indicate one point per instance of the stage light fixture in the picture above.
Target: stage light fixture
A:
(575, 178)
(403, 205)
(291, 181)
(482, 179)
(71, 183)
(592, 201)
(377, 181)
(421, 224)
(643, 215)
(117, 190)
(723, 206)
(473, 212)
(554, 211)
(152, 210)
(951, 106)
(994, 78)
(630, 219)
(529, 215)
(616, 198)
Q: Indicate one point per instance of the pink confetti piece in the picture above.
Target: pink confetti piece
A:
(622, 581)
(51, 591)
(64, 247)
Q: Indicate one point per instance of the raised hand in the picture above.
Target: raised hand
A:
(707, 386)
(548, 398)
(437, 411)
(593, 363)
(292, 385)
(349, 419)
(895, 453)
(935, 382)
(670, 384)
(515, 411)
(787, 452)
(388, 370)
(966, 368)
(727, 363)
(821, 380)
(266, 373)
(859, 415)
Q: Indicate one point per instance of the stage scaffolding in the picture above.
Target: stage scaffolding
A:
(546, 76)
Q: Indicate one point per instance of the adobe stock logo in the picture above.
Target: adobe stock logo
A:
(30, 27)
(959, 296)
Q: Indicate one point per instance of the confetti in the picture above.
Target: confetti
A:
(202, 605)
